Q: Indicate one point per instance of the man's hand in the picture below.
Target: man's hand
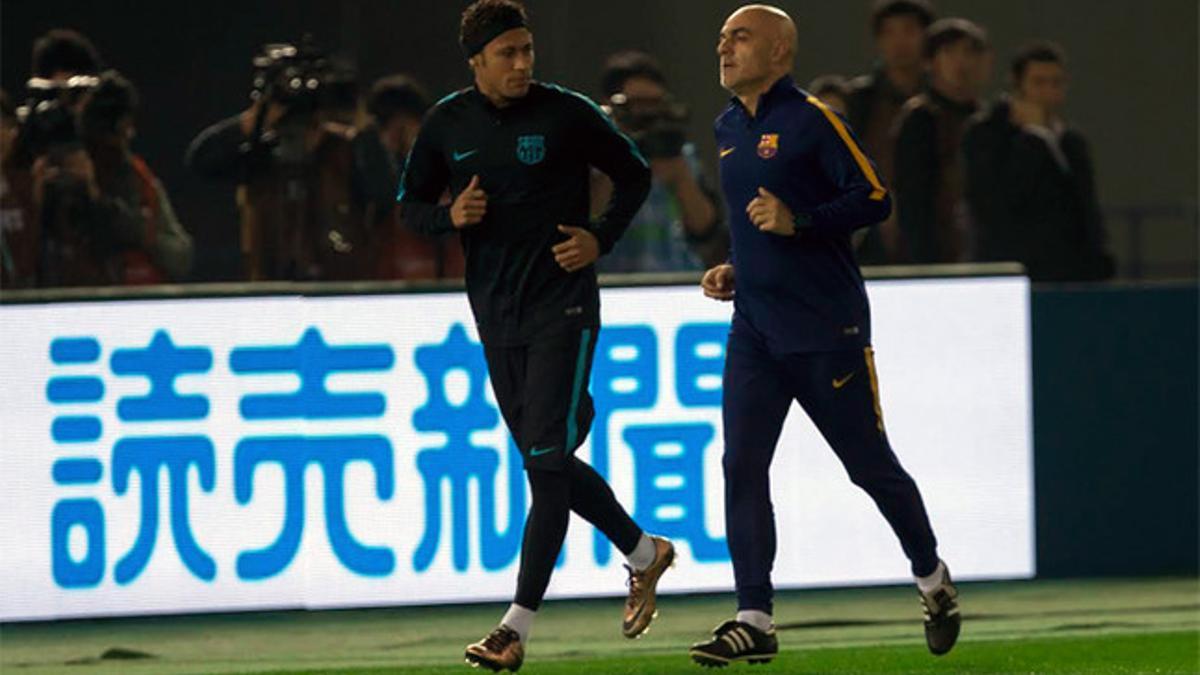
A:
(76, 166)
(40, 173)
(1024, 113)
(578, 251)
(770, 214)
(247, 118)
(718, 282)
(670, 171)
(470, 205)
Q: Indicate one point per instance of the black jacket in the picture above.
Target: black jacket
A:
(929, 178)
(318, 200)
(872, 108)
(1033, 202)
(217, 153)
(532, 159)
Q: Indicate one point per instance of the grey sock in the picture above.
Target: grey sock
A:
(642, 555)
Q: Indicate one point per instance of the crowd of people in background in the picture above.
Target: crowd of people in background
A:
(973, 182)
(314, 165)
(77, 206)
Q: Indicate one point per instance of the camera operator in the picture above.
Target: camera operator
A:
(291, 154)
(156, 247)
(18, 226)
(679, 225)
(101, 215)
(397, 104)
(58, 56)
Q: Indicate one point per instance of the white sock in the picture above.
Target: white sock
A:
(519, 619)
(642, 555)
(757, 618)
(930, 583)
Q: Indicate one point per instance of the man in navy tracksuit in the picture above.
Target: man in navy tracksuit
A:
(797, 185)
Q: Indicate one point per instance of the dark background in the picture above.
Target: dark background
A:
(1133, 67)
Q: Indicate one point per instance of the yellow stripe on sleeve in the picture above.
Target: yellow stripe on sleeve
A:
(878, 190)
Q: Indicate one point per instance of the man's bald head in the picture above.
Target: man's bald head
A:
(777, 24)
(758, 45)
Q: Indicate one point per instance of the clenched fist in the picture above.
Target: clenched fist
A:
(770, 214)
(470, 205)
(718, 282)
(578, 251)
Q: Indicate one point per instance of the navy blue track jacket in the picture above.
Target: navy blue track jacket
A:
(802, 293)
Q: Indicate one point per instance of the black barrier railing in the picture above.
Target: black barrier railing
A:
(1135, 223)
(329, 288)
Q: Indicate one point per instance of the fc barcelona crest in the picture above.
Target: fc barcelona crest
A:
(531, 149)
(768, 146)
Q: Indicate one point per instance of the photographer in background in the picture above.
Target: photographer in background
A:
(304, 215)
(64, 66)
(397, 104)
(156, 248)
(679, 226)
(18, 225)
(101, 216)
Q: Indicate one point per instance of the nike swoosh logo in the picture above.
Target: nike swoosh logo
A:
(541, 451)
(838, 384)
(460, 156)
(727, 151)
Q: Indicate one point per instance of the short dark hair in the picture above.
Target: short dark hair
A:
(829, 84)
(397, 95)
(1041, 51)
(65, 50)
(921, 10)
(624, 66)
(482, 15)
(946, 32)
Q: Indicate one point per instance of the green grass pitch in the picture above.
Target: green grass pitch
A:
(1094, 626)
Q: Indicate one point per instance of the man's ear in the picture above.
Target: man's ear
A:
(780, 51)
